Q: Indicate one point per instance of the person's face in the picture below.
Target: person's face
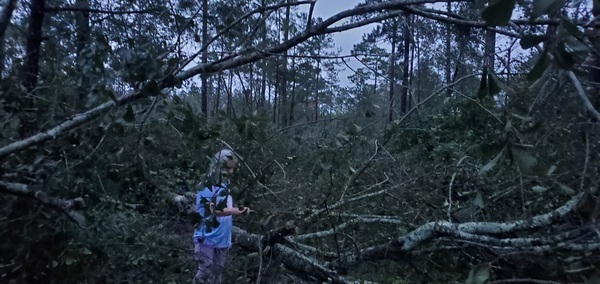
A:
(229, 166)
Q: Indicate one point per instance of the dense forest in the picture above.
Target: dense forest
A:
(464, 146)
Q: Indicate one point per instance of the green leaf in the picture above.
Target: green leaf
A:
(508, 90)
(523, 159)
(325, 166)
(111, 95)
(493, 87)
(478, 201)
(529, 41)
(483, 85)
(564, 59)
(566, 189)
(70, 261)
(499, 12)
(539, 188)
(221, 205)
(576, 46)
(551, 171)
(151, 88)
(544, 7)
(129, 115)
(567, 27)
(479, 275)
(539, 67)
(480, 4)
(353, 129)
(493, 162)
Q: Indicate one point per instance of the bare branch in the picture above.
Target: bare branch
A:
(479, 233)
(584, 98)
(292, 259)
(100, 11)
(251, 55)
(62, 205)
(580, 91)
(237, 21)
(71, 123)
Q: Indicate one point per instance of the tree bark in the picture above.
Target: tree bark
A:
(284, 109)
(31, 68)
(489, 50)
(593, 60)
(293, 95)
(7, 12)
(82, 23)
(204, 89)
(406, 69)
(392, 72)
(448, 54)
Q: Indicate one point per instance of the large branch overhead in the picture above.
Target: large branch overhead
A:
(223, 64)
(100, 11)
(379, 11)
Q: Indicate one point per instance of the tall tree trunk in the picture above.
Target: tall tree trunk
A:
(284, 70)
(316, 109)
(419, 64)
(30, 71)
(230, 95)
(392, 72)
(593, 60)
(250, 90)
(489, 51)
(82, 23)
(263, 84)
(7, 12)
(293, 95)
(448, 61)
(218, 94)
(204, 57)
(551, 29)
(412, 67)
(405, 71)
(275, 108)
(277, 74)
(375, 80)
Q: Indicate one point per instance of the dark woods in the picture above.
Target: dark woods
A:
(455, 142)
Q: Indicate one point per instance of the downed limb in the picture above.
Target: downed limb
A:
(67, 207)
(290, 258)
(483, 234)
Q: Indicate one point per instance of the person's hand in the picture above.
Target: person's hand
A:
(247, 211)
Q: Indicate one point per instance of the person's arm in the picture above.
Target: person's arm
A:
(230, 210)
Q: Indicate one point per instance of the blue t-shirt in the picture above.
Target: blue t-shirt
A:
(219, 237)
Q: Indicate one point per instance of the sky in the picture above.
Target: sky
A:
(343, 40)
(346, 40)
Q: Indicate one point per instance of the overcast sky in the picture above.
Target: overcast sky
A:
(344, 40)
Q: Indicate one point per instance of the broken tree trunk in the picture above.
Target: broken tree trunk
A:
(494, 236)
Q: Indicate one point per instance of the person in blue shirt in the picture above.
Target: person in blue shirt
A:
(212, 236)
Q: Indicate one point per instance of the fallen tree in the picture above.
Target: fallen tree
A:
(493, 236)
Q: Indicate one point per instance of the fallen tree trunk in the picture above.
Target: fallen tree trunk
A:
(290, 258)
(67, 206)
(490, 235)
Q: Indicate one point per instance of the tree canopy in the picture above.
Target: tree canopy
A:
(463, 148)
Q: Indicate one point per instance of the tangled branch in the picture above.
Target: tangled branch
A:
(67, 207)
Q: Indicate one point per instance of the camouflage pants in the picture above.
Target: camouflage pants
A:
(211, 263)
